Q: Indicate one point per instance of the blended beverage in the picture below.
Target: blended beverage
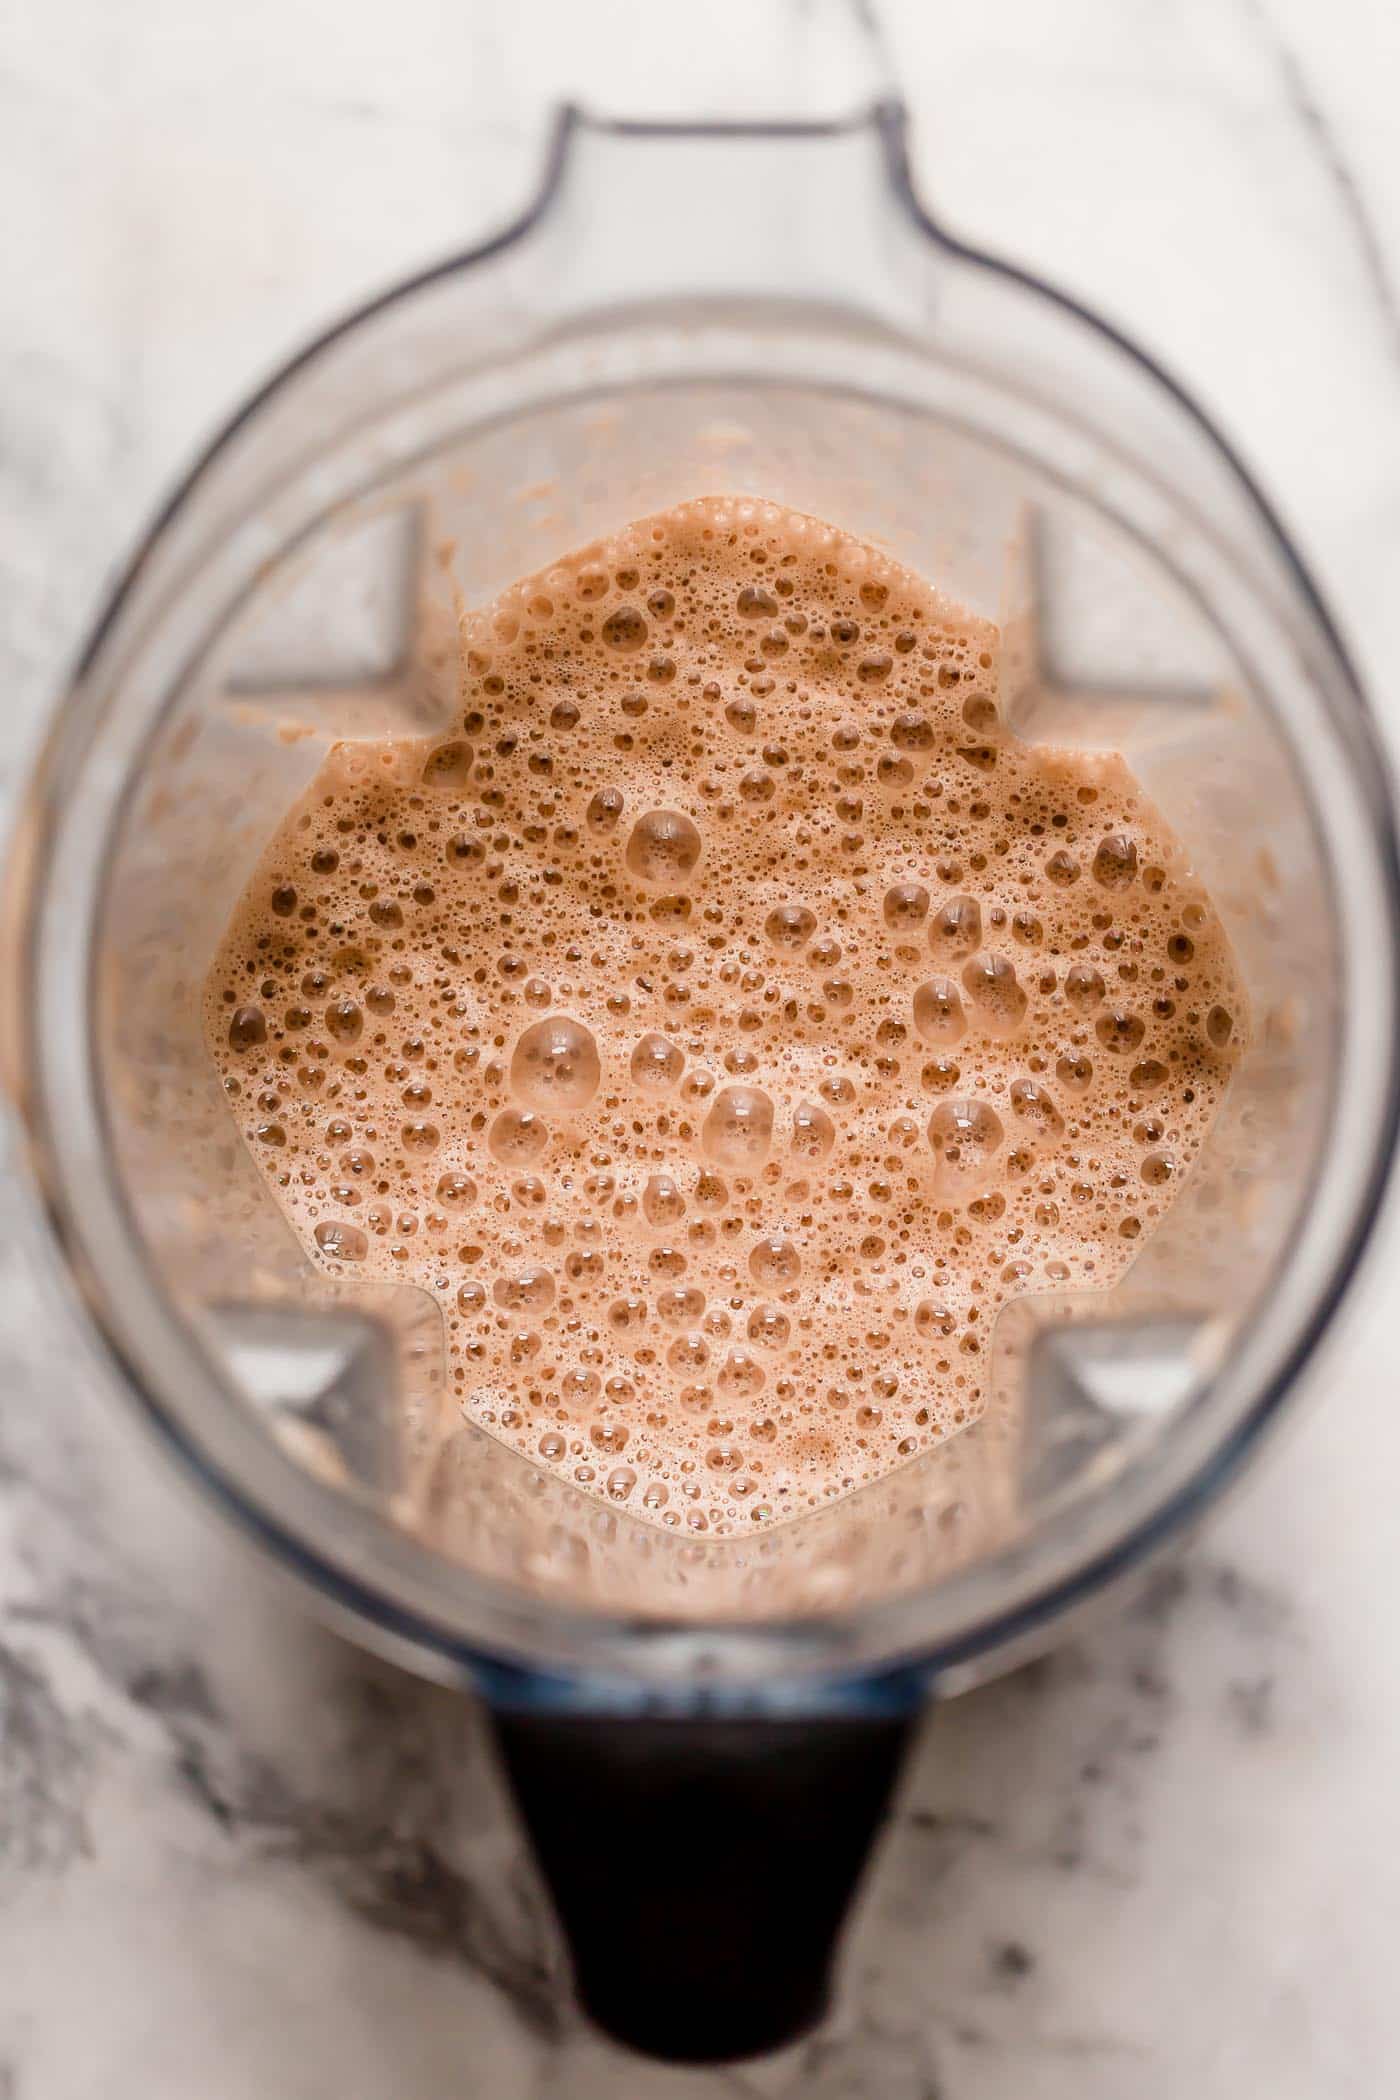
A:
(727, 1019)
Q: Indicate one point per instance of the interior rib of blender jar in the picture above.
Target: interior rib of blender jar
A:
(338, 619)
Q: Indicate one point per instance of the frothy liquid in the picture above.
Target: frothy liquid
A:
(727, 1020)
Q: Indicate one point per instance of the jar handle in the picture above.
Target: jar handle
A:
(702, 1865)
(729, 62)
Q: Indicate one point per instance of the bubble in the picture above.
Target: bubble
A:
(955, 929)
(790, 926)
(531, 1291)
(1115, 862)
(769, 1327)
(938, 1012)
(813, 1132)
(1062, 868)
(455, 1191)
(604, 811)
(754, 603)
(679, 1308)
(555, 1065)
(992, 985)
(663, 848)
(345, 1021)
(341, 1242)
(624, 629)
(662, 1201)
(1076, 1073)
(775, 1261)
(1157, 1169)
(517, 1137)
(1119, 1030)
(738, 1130)
(939, 1074)
(1035, 1111)
(741, 1376)
(1148, 1077)
(906, 906)
(247, 1029)
(911, 732)
(656, 1064)
(1220, 1026)
(965, 1137)
(1084, 988)
(688, 1352)
(447, 769)
(620, 1483)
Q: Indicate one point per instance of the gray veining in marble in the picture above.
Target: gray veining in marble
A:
(1331, 153)
(236, 1858)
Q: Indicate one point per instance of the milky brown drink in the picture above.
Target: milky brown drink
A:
(726, 1019)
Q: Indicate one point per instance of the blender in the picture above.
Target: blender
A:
(702, 1736)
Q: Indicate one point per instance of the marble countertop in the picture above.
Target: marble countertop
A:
(237, 1859)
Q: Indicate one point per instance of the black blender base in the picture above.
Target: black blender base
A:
(702, 1868)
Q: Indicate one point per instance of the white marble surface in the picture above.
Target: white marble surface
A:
(235, 1859)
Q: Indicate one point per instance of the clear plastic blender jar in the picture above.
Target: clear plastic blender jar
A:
(780, 317)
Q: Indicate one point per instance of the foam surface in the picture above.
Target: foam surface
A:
(728, 1020)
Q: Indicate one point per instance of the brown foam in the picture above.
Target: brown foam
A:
(728, 1020)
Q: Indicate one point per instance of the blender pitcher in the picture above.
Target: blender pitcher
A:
(701, 1734)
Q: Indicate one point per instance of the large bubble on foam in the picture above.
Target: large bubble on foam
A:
(530, 1291)
(775, 1261)
(517, 1137)
(1036, 1111)
(965, 1138)
(996, 993)
(656, 1063)
(938, 1012)
(790, 926)
(813, 1132)
(663, 847)
(247, 1029)
(956, 927)
(739, 1128)
(662, 1201)
(905, 906)
(341, 1242)
(1115, 862)
(556, 1065)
